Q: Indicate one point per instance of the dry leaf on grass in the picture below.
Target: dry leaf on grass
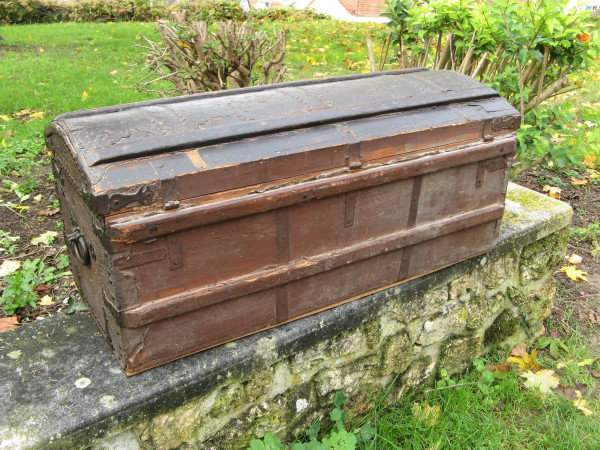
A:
(46, 300)
(552, 191)
(44, 238)
(544, 380)
(426, 414)
(580, 404)
(519, 351)
(48, 212)
(573, 273)
(562, 364)
(9, 266)
(503, 368)
(8, 323)
(524, 362)
(578, 182)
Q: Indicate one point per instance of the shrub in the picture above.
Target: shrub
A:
(31, 11)
(286, 14)
(525, 50)
(116, 11)
(46, 11)
(197, 58)
(211, 10)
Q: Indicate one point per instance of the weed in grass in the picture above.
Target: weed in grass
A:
(19, 291)
(588, 234)
(8, 243)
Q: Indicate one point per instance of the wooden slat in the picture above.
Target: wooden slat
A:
(147, 227)
(265, 279)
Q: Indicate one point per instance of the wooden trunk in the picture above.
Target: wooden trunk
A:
(196, 220)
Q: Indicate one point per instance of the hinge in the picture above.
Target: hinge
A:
(113, 202)
(354, 161)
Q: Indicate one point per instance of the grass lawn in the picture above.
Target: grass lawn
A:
(46, 70)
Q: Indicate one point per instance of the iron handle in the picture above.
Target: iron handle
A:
(79, 246)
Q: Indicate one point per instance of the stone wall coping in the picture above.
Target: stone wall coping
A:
(61, 386)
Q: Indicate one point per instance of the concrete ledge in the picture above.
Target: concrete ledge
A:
(62, 388)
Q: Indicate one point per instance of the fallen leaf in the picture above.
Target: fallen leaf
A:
(578, 182)
(5, 117)
(544, 380)
(48, 212)
(586, 362)
(519, 351)
(46, 300)
(504, 368)
(43, 288)
(595, 374)
(573, 273)
(580, 404)
(590, 124)
(581, 389)
(526, 361)
(552, 191)
(9, 266)
(84, 96)
(42, 50)
(574, 259)
(36, 115)
(562, 364)
(568, 391)
(114, 72)
(8, 323)
(38, 197)
(554, 335)
(425, 413)
(45, 238)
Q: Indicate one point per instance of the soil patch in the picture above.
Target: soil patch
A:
(576, 303)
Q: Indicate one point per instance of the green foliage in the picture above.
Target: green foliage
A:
(528, 51)
(211, 10)
(269, 442)
(115, 11)
(48, 11)
(20, 154)
(553, 345)
(19, 291)
(589, 234)
(31, 11)
(285, 14)
(338, 438)
(8, 243)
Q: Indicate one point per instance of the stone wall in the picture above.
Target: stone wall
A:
(501, 301)
(282, 379)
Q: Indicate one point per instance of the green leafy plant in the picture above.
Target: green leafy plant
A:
(589, 234)
(528, 51)
(19, 291)
(554, 345)
(20, 155)
(338, 438)
(47, 11)
(8, 243)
